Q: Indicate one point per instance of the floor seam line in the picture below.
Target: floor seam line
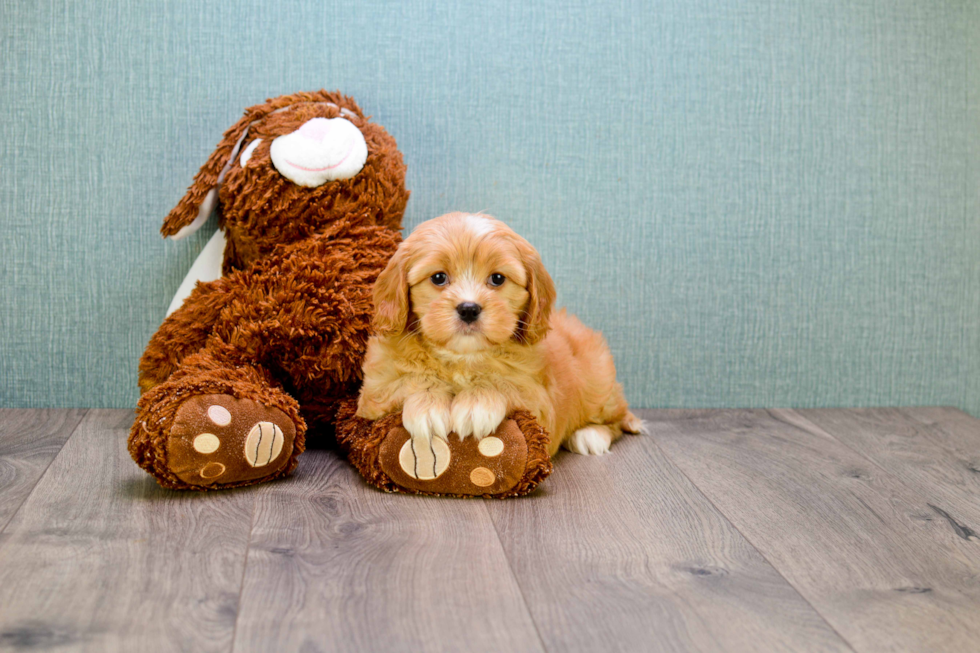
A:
(517, 583)
(750, 542)
(241, 585)
(857, 452)
(46, 468)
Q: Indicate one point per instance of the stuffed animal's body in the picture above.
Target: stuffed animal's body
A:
(311, 196)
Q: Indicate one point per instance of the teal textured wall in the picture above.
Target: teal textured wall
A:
(759, 203)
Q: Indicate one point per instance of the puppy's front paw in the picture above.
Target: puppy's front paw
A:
(477, 413)
(426, 415)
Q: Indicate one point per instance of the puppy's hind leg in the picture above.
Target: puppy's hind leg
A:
(595, 439)
(591, 440)
(633, 425)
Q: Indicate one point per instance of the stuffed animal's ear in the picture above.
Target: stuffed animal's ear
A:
(201, 198)
(391, 295)
(535, 320)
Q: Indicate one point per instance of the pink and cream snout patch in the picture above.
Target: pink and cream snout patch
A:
(321, 150)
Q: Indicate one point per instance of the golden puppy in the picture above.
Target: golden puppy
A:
(466, 333)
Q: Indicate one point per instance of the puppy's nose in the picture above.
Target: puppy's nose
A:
(468, 312)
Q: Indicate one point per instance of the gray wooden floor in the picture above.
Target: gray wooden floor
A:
(822, 530)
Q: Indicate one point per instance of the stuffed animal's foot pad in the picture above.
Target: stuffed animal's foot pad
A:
(456, 465)
(218, 439)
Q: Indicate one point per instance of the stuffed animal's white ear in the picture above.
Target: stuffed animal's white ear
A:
(206, 268)
(203, 213)
(202, 197)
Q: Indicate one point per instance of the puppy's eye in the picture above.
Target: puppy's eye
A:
(496, 279)
(440, 278)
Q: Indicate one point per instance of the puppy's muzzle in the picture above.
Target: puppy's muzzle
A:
(468, 312)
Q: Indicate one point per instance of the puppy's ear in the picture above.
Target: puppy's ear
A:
(201, 198)
(535, 320)
(391, 295)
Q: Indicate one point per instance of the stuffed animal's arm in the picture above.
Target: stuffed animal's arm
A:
(183, 333)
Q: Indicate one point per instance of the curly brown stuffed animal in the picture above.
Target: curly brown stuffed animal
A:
(311, 197)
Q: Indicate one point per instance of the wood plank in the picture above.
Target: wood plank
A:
(29, 441)
(953, 430)
(859, 545)
(99, 558)
(335, 565)
(622, 552)
(922, 455)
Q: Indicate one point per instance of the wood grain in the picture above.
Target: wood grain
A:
(29, 441)
(338, 566)
(955, 431)
(865, 549)
(940, 469)
(723, 530)
(622, 552)
(99, 558)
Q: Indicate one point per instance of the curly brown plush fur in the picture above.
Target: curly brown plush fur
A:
(235, 379)
(261, 209)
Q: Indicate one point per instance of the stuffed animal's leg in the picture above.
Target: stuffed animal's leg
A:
(511, 461)
(183, 332)
(217, 425)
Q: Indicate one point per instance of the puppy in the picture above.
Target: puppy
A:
(465, 333)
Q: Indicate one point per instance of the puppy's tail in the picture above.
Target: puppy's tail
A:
(634, 425)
